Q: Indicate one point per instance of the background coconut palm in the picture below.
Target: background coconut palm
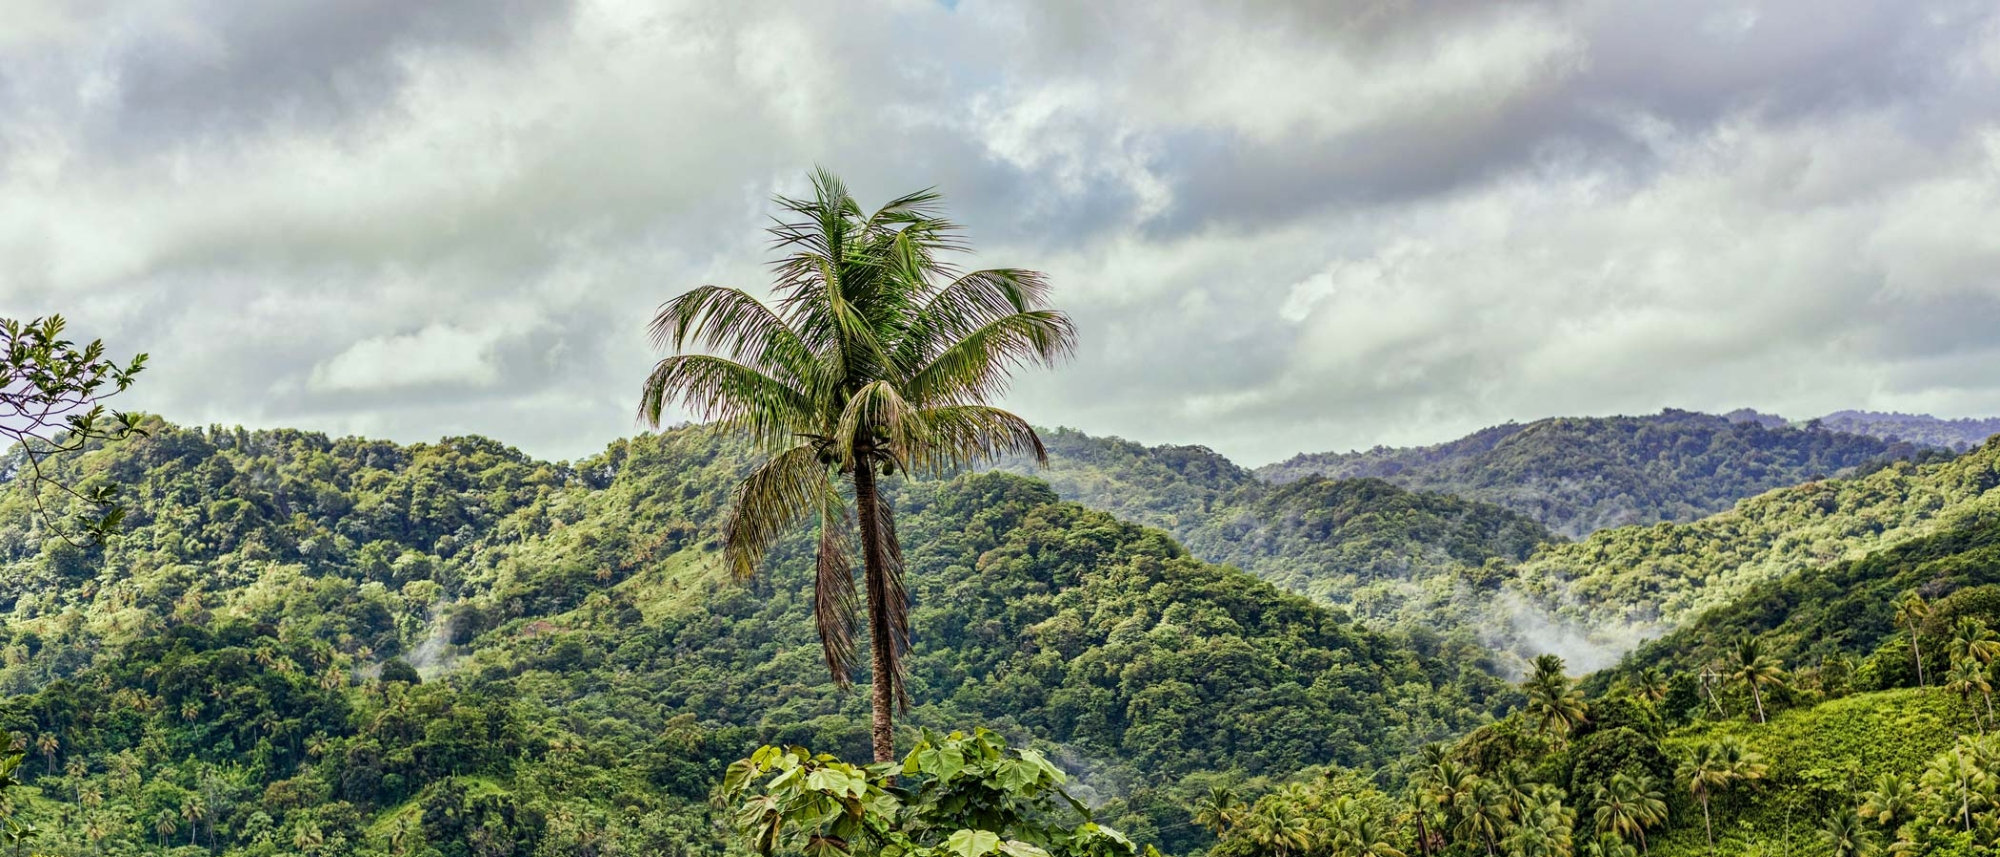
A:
(877, 355)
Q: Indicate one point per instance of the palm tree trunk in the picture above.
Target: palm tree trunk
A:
(1643, 849)
(1759, 696)
(1708, 825)
(881, 641)
(1917, 655)
(1989, 705)
(1423, 836)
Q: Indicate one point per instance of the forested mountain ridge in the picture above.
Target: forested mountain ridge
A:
(1669, 572)
(1847, 611)
(1386, 553)
(233, 663)
(1960, 434)
(1578, 475)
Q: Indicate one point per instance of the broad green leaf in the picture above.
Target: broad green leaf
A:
(973, 843)
(1017, 848)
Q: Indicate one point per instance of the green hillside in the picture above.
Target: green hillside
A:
(1669, 572)
(1578, 475)
(1386, 554)
(1848, 608)
(587, 669)
(1383, 552)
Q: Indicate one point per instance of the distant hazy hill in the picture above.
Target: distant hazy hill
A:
(1383, 551)
(1582, 474)
(1960, 434)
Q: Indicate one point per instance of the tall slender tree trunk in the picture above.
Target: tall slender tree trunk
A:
(1964, 794)
(1759, 696)
(1917, 655)
(1423, 836)
(881, 640)
(1642, 841)
(1708, 825)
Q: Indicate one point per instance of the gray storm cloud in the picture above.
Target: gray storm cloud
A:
(1280, 226)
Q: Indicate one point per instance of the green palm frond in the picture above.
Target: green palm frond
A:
(877, 418)
(741, 328)
(729, 394)
(977, 367)
(956, 307)
(961, 435)
(778, 494)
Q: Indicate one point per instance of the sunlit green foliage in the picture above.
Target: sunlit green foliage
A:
(588, 667)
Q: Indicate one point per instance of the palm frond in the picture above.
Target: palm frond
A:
(835, 602)
(774, 497)
(733, 323)
(878, 418)
(730, 394)
(964, 435)
(962, 305)
(977, 366)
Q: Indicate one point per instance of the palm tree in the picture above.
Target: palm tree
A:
(1715, 767)
(48, 744)
(877, 355)
(1629, 805)
(165, 824)
(308, 838)
(1972, 640)
(1544, 826)
(1420, 814)
(1968, 679)
(1218, 811)
(1483, 814)
(1756, 669)
(1277, 830)
(1555, 702)
(1958, 780)
(1652, 685)
(1911, 611)
(1449, 786)
(95, 828)
(194, 809)
(1845, 836)
(1889, 803)
(1359, 834)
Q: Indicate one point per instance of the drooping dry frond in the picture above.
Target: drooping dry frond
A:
(977, 367)
(729, 393)
(774, 497)
(741, 328)
(835, 603)
(963, 435)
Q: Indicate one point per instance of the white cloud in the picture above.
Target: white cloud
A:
(437, 355)
(1280, 226)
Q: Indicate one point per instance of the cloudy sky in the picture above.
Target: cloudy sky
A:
(1280, 226)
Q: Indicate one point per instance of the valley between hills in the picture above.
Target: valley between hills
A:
(333, 645)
